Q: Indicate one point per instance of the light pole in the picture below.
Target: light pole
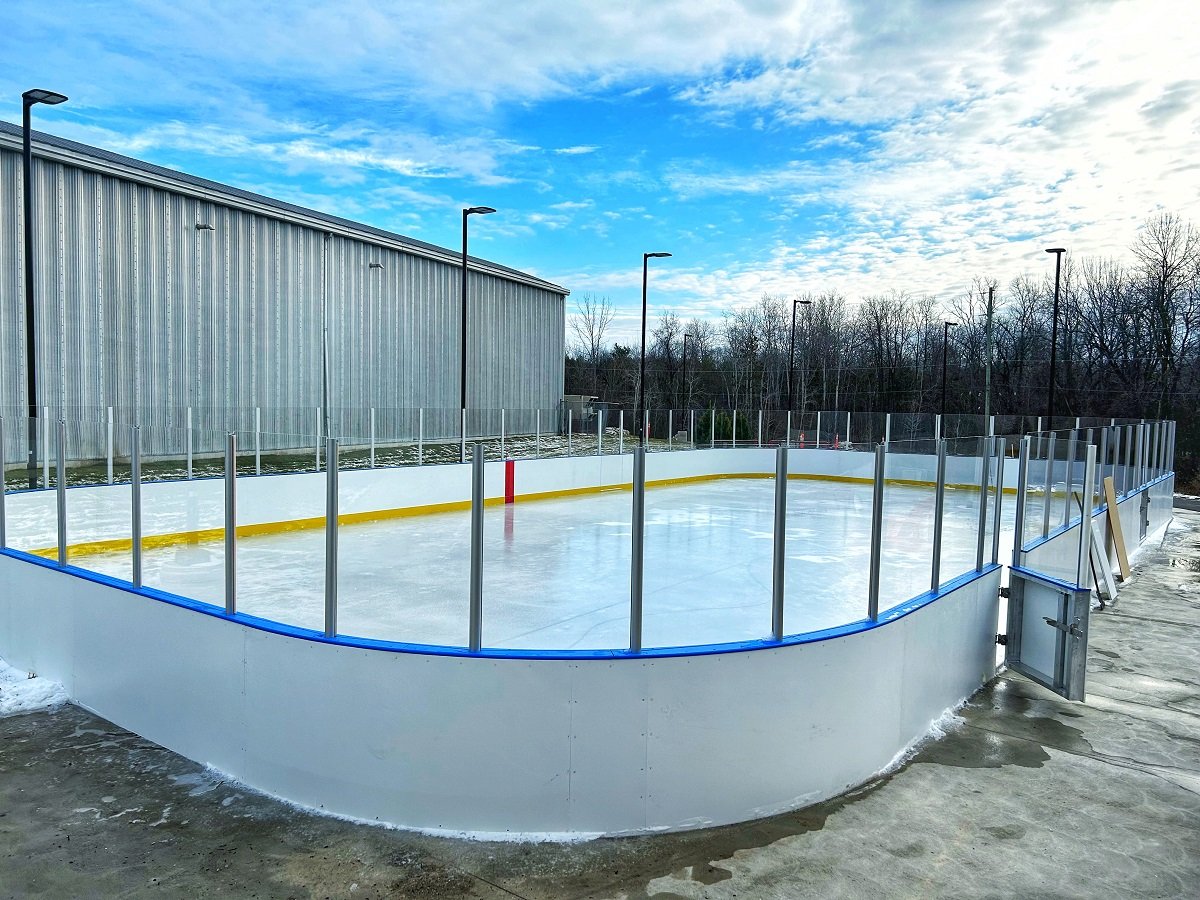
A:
(462, 382)
(946, 326)
(792, 350)
(686, 398)
(28, 100)
(1058, 252)
(987, 364)
(641, 410)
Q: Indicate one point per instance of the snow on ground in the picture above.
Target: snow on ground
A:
(22, 692)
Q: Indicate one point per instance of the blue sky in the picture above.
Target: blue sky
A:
(773, 146)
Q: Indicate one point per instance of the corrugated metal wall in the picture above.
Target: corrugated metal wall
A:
(140, 310)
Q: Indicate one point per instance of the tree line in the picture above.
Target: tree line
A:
(1128, 345)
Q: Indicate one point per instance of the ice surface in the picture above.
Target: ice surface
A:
(557, 571)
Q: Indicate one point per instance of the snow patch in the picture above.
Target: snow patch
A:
(23, 692)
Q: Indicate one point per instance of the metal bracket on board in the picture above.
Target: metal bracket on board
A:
(1002, 640)
(1073, 629)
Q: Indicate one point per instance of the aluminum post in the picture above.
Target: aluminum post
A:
(937, 426)
(991, 426)
(1116, 455)
(818, 429)
(537, 441)
(670, 429)
(1022, 496)
(692, 428)
(421, 436)
(60, 490)
(712, 428)
(109, 445)
(980, 536)
(257, 441)
(231, 524)
(760, 418)
(734, 445)
(462, 440)
(787, 433)
(1072, 449)
(317, 442)
(1127, 470)
(1139, 443)
(780, 542)
(939, 511)
(475, 640)
(371, 425)
(600, 432)
(46, 445)
(570, 427)
(645, 427)
(639, 534)
(847, 428)
(876, 533)
(887, 428)
(621, 432)
(1083, 569)
(188, 442)
(331, 536)
(998, 503)
(135, 503)
(3, 489)
(1101, 462)
(1049, 484)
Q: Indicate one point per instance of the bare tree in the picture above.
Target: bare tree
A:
(592, 317)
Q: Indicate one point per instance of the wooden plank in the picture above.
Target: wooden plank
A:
(1114, 527)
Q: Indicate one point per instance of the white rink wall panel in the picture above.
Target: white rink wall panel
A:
(584, 744)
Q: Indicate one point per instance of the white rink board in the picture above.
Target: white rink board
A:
(612, 744)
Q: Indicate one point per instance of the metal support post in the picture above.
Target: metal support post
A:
(876, 533)
(1022, 495)
(109, 445)
(317, 442)
(670, 429)
(60, 489)
(760, 417)
(712, 428)
(939, 513)
(1116, 456)
(780, 540)
(599, 432)
(503, 453)
(3, 489)
(692, 428)
(1083, 569)
(46, 445)
(991, 426)
(570, 427)
(475, 639)
(135, 503)
(371, 426)
(258, 441)
(1139, 443)
(818, 429)
(980, 536)
(1049, 484)
(331, 536)
(537, 441)
(421, 436)
(787, 432)
(735, 429)
(1102, 461)
(1126, 471)
(462, 440)
(621, 432)
(188, 442)
(847, 428)
(998, 503)
(645, 427)
(231, 524)
(1072, 449)
(937, 426)
(887, 428)
(639, 534)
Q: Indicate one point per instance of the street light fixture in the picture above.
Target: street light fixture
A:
(641, 410)
(462, 382)
(1058, 252)
(28, 100)
(792, 351)
(946, 326)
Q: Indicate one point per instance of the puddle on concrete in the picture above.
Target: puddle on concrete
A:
(1187, 563)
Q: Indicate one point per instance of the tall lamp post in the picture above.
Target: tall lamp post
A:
(792, 350)
(28, 100)
(641, 410)
(686, 398)
(946, 326)
(1058, 252)
(462, 382)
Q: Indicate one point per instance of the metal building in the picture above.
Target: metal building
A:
(159, 292)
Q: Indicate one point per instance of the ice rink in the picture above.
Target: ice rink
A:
(556, 571)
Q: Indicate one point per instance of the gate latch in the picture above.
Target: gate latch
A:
(1073, 629)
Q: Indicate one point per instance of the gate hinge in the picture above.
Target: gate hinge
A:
(1004, 592)
(1002, 640)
